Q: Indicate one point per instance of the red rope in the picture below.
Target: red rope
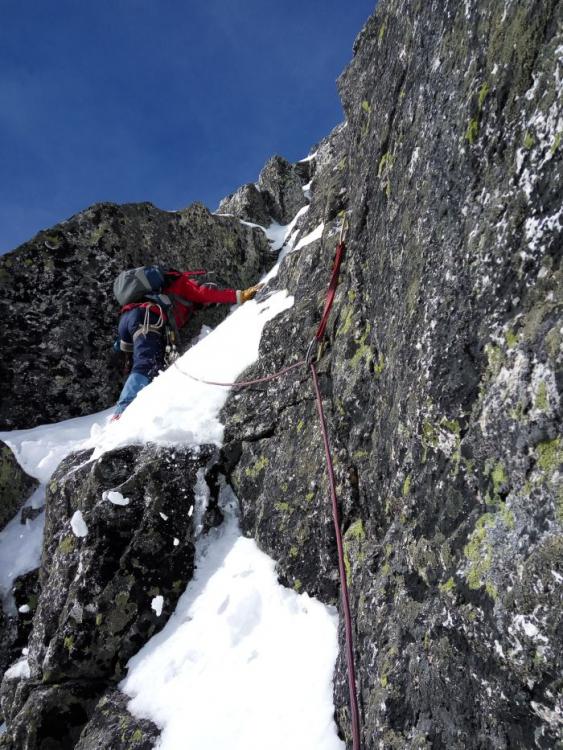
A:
(331, 290)
(243, 383)
(354, 710)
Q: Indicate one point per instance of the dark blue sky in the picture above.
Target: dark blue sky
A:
(169, 101)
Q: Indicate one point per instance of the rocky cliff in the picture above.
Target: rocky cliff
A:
(441, 377)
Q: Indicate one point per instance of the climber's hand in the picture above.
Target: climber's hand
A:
(248, 294)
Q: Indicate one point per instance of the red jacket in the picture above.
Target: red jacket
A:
(187, 289)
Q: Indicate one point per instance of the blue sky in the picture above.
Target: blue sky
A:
(169, 101)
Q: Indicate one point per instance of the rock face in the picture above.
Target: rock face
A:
(248, 203)
(15, 485)
(277, 197)
(441, 378)
(58, 308)
(112, 726)
(118, 552)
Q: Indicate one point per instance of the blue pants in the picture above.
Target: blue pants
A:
(147, 349)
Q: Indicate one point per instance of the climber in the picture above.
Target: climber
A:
(144, 326)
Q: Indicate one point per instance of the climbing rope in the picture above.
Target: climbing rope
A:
(309, 361)
(354, 710)
(244, 383)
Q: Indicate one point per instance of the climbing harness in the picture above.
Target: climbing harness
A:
(147, 326)
(310, 362)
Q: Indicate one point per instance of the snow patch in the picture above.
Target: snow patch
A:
(40, 450)
(201, 501)
(20, 548)
(157, 604)
(19, 671)
(279, 233)
(238, 640)
(78, 524)
(115, 497)
(308, 158)
(313, 236)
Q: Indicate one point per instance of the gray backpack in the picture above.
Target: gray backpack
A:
(138, 284)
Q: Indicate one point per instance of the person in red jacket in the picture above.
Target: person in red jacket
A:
(142, 328)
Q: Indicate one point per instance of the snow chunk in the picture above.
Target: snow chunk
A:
(24, 609)
(78, 524)
(115, 497)
(157, 604)
(20, 670)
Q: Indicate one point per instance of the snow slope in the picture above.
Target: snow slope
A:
(243, 663)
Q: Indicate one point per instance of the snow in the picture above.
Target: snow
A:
(24, 609)
(78, 524)
(19, 670)
(279, 233)
(157, 604)
(20, 548)
(528, 627)
(40, 450)
(117, 498)
(308, 158)
(276, 233)
(307, 190)
(240, 646)
(316, 234)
